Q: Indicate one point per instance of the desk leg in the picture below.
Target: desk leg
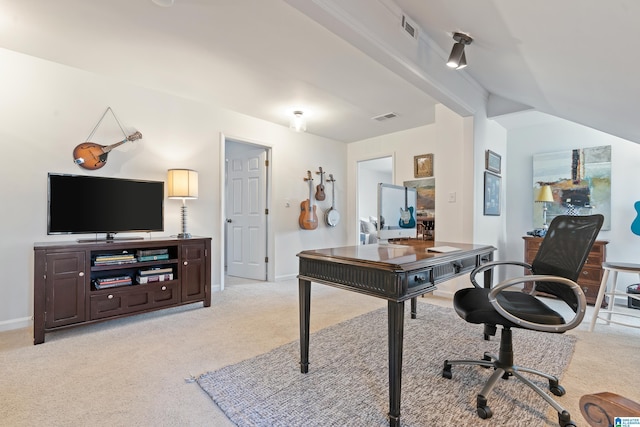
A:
(396, 333)
(304, 291)
(414, 307)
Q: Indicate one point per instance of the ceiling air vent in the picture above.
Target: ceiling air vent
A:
(409, 27)
(383, 117)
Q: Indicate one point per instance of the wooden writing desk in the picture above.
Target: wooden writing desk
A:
(393, 272)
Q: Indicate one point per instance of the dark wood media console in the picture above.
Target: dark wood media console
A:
(65, 273)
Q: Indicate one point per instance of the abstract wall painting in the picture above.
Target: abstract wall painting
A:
(580, 180)
(426, 194)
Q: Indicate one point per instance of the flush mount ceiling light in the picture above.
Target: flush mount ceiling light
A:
(298, 123)
(458, 59)
(163, 3)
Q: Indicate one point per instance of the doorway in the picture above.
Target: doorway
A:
(245, 211)
(370, 172)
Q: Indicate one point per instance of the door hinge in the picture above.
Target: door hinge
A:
(266, 163)
(266, 211)
(266, 259)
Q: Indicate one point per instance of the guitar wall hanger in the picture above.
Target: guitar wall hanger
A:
(92, 156)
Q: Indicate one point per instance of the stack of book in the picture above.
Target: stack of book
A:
(109, 259)
(112, 282)
(154, 275)
(152, 254)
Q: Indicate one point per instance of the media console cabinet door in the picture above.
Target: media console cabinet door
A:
(193, 258)
(65, 289)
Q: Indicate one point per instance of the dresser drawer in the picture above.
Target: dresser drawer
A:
(591, 274)
(594, 260)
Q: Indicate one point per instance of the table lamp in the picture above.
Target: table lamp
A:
(183, 184)
(545, 196)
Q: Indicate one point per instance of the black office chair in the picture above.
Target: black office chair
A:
(554, 271)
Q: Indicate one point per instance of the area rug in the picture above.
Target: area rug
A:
(347, 383)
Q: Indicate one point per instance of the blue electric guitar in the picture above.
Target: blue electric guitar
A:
(406, 215)
(635, 225)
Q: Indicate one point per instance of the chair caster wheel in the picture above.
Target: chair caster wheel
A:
(446, 371)
(484, 412)
(564, 419)
(482, 409)
(557, 390)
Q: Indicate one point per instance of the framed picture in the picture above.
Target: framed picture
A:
(423, 166)
(492, 183)
(492, 161)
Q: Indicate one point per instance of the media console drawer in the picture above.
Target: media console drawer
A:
(83, 282)
(134, 299)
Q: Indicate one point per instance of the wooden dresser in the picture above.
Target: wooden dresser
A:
(591, 274)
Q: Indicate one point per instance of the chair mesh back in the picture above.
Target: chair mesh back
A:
(563, 252)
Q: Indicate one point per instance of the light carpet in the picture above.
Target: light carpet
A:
(347, 383)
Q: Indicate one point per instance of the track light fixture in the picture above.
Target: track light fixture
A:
(458, 59)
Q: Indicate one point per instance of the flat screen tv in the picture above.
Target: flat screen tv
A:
(396, 212)
(80, 204)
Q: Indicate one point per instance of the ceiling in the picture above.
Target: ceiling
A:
(344, 63)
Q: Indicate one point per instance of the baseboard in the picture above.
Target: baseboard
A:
(9, 325)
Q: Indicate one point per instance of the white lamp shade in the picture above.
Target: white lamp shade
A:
(182, 184)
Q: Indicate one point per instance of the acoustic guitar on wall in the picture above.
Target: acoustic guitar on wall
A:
(320, 187)
(308, 219)
(90, 155)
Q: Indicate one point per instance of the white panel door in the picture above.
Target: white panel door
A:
(246, 217)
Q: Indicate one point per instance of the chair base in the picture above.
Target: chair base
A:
(504, 368)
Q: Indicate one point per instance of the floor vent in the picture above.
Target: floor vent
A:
(383, 117)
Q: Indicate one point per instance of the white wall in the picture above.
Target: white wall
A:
(47, 109)
(560, 135)
(488, 135)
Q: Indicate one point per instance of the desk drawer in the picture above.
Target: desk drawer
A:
(447, 271)
(421, 279)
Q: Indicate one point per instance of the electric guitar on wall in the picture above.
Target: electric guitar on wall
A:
(90, 155)
(635, 225)
(308, 219)
(406, 215)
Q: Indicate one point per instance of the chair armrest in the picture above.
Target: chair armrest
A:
(489, 265)
(575, 321)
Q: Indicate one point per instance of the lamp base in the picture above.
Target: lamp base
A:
(184, 236)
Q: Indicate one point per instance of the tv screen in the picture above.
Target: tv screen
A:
(396, 212)
(88, 204)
